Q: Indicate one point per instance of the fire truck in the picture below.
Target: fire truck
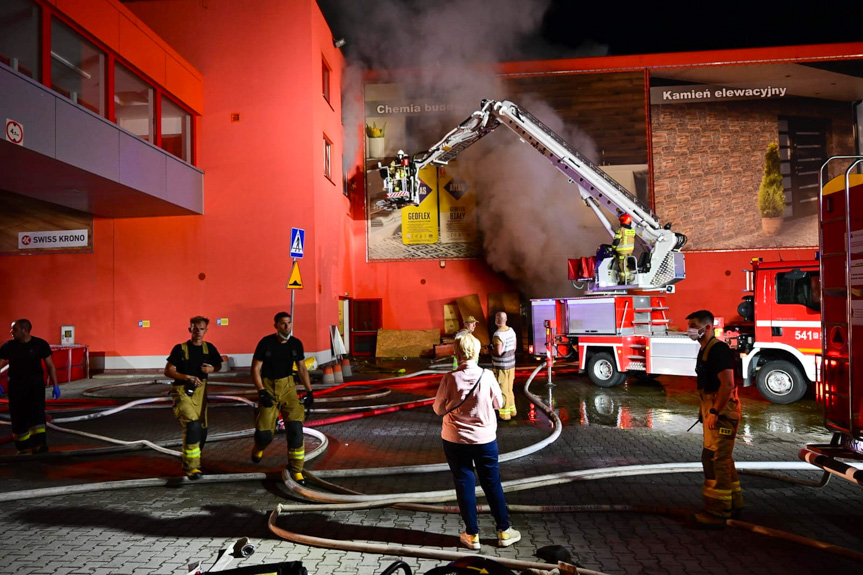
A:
(781, 337)
(617, 333)
(839, 386)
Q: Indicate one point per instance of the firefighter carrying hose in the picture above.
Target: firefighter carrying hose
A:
(189, 365)
(624, 244)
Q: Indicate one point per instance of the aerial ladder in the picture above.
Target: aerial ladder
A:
(661, 264)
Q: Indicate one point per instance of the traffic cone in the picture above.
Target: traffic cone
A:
(346, 368)
(328, 376)
(337, 373)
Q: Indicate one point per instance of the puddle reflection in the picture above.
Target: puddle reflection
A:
(669, 406)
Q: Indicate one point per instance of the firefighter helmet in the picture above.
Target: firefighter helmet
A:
(625, 220)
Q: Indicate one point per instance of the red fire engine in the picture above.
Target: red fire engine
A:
(839, 385)
(781, 336)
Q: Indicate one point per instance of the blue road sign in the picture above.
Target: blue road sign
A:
(298, 242)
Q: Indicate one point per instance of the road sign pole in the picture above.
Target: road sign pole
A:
(293, 291)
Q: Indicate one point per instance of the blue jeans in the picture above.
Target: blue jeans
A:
(461, 459)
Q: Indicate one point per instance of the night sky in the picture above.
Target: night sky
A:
(571, 27)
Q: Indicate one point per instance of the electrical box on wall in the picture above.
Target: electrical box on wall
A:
(67, 335)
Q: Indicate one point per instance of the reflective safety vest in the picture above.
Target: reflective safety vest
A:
(624, 241)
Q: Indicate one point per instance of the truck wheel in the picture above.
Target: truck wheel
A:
(780, 381)
(602, 370)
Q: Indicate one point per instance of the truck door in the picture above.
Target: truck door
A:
(796, 317)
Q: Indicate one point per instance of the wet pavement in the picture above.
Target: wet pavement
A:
(159, 529)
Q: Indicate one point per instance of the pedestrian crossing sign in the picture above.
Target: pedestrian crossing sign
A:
(295, 281)
(298, 241)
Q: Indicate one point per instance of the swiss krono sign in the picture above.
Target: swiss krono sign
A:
(55, 239)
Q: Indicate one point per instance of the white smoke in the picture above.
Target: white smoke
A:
(530, 217)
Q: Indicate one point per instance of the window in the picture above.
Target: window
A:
(325, 75)
(77, 68)
(799, 287)
(133, 103)
(19, 36)
(328, 156)
(176, 130)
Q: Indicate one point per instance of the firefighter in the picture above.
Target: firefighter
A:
(624, 244)
(720, 416)
(503, 363)
(189, 365)
(277, 362)
(25, 354)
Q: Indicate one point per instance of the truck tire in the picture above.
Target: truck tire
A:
(602, 370)
(780, 381)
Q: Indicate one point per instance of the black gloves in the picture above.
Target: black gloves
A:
(308, 400)
(189, 388)
(266, 398)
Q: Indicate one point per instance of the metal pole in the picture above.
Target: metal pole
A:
(293, 291)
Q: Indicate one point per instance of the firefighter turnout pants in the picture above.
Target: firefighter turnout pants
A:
(27, 414)
(721, 491)
(191, 412)
(286, 402)
(505, 378)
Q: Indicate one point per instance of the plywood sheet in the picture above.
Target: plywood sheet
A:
(469, 305)
(451, 320)
(406, 343)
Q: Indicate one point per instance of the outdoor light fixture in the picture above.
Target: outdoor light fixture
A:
(339, 43)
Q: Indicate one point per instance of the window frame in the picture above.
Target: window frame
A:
(328, 158)
(326, 74)
(49, 12)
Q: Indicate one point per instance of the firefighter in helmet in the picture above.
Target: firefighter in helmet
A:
(624, 244)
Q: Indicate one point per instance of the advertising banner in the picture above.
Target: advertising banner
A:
(420, 223)
(457, 208)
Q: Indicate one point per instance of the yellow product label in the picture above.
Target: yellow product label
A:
(420, 223)
(457, 207)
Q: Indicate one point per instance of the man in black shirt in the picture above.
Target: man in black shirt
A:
(278, 357)
(189, 365)
(720, 414)
(25, 353)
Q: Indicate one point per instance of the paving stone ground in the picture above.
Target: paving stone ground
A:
(159, 529)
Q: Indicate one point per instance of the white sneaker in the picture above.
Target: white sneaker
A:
(470, 541)
(508, 537)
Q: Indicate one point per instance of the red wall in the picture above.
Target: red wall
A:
(263, 175)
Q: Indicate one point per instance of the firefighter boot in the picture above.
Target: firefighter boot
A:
(296, 451)
(736, 499)
(22, 443)
(717, 507)
(38, 440)
(192, 434)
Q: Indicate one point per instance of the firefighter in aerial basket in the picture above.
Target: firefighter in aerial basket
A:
(624, 244)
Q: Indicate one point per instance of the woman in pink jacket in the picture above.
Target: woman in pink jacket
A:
(467, 399)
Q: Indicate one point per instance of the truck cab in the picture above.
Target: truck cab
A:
(782, 336)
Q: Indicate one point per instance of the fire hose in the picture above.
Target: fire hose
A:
(422, 500)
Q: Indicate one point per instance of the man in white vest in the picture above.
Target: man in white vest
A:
(503, 362)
